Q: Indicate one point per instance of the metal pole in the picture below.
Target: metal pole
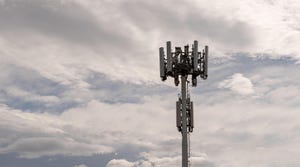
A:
(184, 122)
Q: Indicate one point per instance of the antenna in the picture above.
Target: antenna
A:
(184, 63)
(195, 55)
(205, 62)
(162, 64)
(169, 58)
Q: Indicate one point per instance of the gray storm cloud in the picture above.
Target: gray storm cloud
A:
(172, 18)
(66, 21)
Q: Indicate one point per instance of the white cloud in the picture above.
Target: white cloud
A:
(274, 24)
(119, 163)
(160, 162)
(28, 96)
(239, 84)
(93, 129)
(32, 135)
(81, 165)
(286, 95)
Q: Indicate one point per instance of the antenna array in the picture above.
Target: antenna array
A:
(184, 63)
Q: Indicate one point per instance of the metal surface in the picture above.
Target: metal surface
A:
(195, 55)
(184, 123)
(162, 64)
(205, 61)
(192, 115)
(178, 115)
(169, 58)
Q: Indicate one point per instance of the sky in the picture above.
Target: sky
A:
(80, 85)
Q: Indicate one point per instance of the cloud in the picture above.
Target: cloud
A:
(163, 161)
(119, 163)
(14, 91)
(64, 20)
(47, 146)
(287, 95)
(33, 135)
(28, 90)
(79, 131)
(98, 127)
(75, 36)
(201, 161)
(189, 22)
(166, 161)
(69, 37)
(81, 165)
(95, 64)
(239, 84)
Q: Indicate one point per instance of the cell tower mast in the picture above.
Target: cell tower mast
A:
(184, 63)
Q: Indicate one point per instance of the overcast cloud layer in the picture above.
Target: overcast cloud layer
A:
(80, 87)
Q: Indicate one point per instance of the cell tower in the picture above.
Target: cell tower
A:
(184, 63)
